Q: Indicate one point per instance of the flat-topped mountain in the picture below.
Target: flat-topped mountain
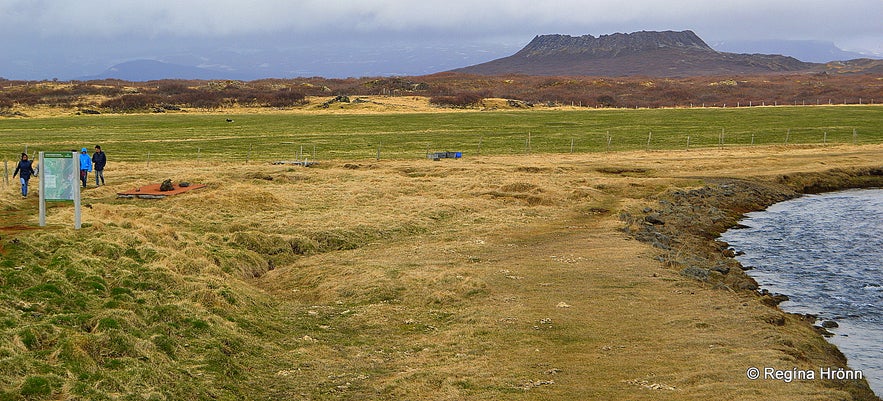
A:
(668, 54)
(614, 45)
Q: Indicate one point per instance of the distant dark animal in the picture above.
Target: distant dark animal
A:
(229, 120)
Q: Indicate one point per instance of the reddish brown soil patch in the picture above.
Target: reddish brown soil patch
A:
(152, 191)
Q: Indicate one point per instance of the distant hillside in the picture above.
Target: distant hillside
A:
(150, 70)
(666, 54)
(814, 51)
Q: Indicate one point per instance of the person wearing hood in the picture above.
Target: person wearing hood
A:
(85, 165)
(25, 170)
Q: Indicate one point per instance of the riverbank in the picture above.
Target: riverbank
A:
(686, 225)
(496, 277)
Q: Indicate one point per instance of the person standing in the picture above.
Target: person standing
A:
(85, 165)
(26, 169)
(99, 159)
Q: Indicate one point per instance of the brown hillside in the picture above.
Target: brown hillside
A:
(852, 82)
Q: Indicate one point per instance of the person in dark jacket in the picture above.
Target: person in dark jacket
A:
(99, 159)
(24, 170)
(85, 165)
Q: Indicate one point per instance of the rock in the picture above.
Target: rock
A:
(830, 324)
(776, 320)
(773, 299)
(167, 186)
(807, 317)
(308, 339)
(823, 331)
(654, 219)
(695, 272)
(722, 269)
(722, 245)
(746, 284)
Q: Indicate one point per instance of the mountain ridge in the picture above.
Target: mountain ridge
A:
(612, 45)
(651, 53)
(151, 70)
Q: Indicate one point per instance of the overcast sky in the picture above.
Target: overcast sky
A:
(41, 39)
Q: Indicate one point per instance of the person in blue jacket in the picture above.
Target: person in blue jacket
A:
(85, 165)
(26, 169)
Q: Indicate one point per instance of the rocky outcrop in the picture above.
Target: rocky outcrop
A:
(612, 45)
(685, 224)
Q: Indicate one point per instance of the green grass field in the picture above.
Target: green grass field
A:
(268, 137)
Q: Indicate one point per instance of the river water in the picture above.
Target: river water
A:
(825, 252)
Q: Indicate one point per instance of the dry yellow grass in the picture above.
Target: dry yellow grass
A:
(357, 105)
(481, 278)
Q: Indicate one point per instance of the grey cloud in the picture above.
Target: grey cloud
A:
(46, 34)
(200, 18)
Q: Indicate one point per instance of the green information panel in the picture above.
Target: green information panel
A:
(59, 171)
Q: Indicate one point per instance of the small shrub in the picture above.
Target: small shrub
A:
(457, 100)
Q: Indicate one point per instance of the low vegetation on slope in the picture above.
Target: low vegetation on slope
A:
(446, 90)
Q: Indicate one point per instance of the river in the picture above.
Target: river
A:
(825, 252)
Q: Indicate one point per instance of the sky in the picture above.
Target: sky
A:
(65, 39)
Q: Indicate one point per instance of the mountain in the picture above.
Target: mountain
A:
(149, 70)
(665, 54)
(814, 51)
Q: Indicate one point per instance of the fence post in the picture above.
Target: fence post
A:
(571, 145)
(5, 173)
(148, 159)
(379, 145)
(688, 142)
(650, 135)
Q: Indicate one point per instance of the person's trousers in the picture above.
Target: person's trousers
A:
(24, 186)
(99, 177)
(83, 175)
